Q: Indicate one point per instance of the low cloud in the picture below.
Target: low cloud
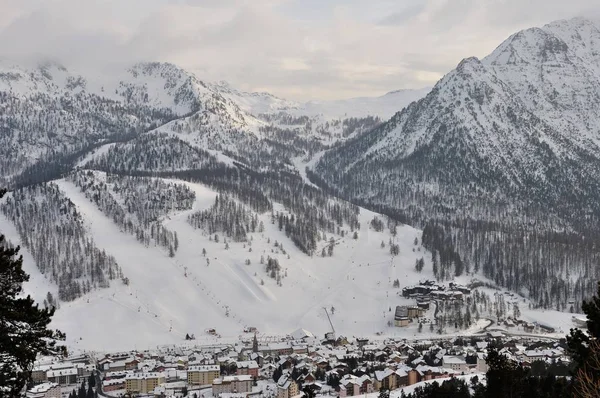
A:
(300, 49)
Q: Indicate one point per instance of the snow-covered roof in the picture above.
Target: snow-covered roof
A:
(247, 364)
(205, 368)
(382, 374)
(453, 360)
(231, 379)
(300, 334)
(62, 372)
(151, 375)
(42, 388)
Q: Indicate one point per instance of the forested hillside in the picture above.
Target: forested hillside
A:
(499, 164)
(51, 229)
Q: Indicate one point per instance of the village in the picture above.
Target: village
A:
(294, 366)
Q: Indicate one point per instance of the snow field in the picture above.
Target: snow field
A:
(169, 297)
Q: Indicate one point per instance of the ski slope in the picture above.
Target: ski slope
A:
(169, 297)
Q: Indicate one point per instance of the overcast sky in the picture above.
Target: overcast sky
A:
(296, 49)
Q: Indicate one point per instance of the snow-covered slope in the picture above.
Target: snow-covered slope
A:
(167, 297)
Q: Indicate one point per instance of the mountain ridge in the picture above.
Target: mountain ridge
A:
(510, 142)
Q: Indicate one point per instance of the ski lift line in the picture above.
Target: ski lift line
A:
(208, 292)
(155, 320)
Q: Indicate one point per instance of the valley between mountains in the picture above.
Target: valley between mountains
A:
(155, 205)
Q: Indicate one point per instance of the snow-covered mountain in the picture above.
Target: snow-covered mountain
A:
(51, 116)
(127, 168)
(181, 205)
(511, 141)
(523, 120)
(328, 121)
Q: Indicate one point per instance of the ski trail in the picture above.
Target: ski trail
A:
(146, 266)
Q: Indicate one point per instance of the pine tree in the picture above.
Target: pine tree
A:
(505, 378)
(579, 342)
(24, 329)
(90, 392)
(82, 392)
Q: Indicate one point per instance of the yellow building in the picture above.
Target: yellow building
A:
(143, 383)
(202, 374)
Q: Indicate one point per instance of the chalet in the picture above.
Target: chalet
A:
(286, 363)
(309, 378)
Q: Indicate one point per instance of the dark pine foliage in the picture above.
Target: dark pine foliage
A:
(24, 329)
